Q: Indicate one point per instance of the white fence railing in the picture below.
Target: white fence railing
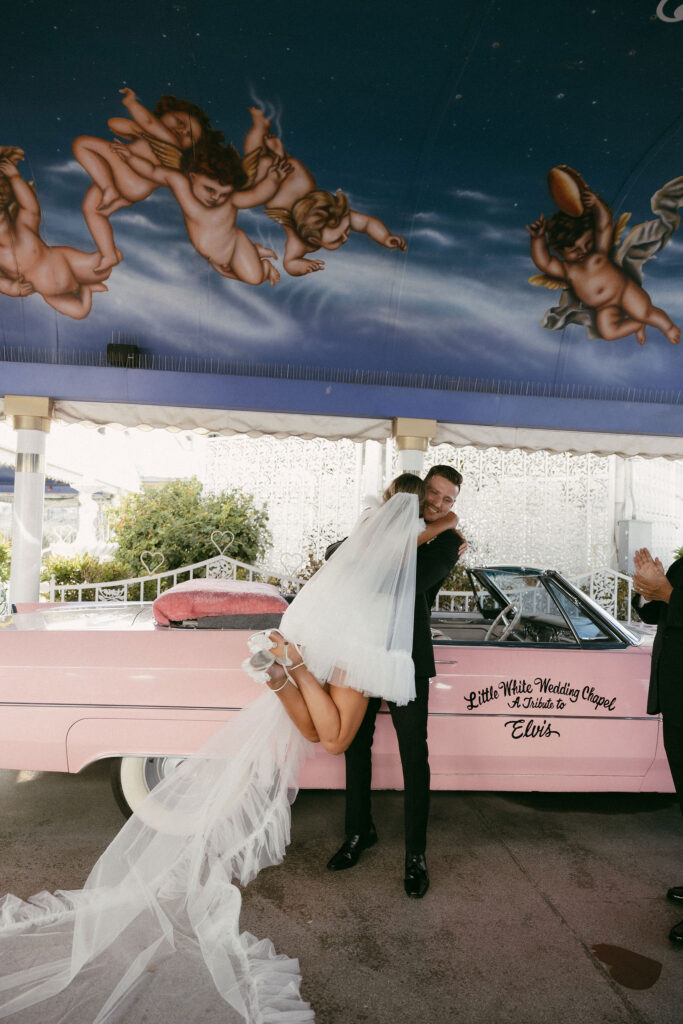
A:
(610, 589)
(145, 589)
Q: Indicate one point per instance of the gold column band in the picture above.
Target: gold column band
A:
(29, 412)
(412, 434)
(31, 423)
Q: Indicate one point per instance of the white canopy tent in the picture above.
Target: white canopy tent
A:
(356, 428)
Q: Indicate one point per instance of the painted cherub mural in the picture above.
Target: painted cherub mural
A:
(312, 219)
(65, 277)
(160, 136)
(208, 189)
(175, 146)
(578, 250)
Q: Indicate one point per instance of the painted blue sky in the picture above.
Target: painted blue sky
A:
(441, 119)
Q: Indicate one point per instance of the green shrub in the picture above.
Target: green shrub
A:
(5, 559)
(457, 579)
(69, 569)
(177, 520)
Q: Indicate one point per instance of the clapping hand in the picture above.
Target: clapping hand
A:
(650, 578)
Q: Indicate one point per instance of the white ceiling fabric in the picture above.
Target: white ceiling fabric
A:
(579, 442)
(281, 424)
(223, 421)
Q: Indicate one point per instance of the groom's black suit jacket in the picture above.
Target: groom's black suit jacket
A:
(434, 562)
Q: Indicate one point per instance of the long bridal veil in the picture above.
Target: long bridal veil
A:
(154, 933)
(355, 616)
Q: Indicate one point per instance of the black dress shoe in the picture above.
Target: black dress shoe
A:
(676, 934)
(348, 853)
(675, 894)
(416, 881)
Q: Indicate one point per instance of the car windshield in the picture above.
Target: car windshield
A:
(522, 589)
(538, 597)
(584, 626)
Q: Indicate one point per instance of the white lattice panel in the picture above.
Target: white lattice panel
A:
(310, 487)
(525, 508)
(533, 508)
(658, 498)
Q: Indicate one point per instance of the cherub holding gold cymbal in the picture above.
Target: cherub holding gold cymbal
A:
(585, 263)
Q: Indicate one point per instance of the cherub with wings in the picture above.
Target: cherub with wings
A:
(312, 219)
(65, 277)
(600, 279)
(209, 190)
(159, 137)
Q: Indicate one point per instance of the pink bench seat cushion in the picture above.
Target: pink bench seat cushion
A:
(196, 599)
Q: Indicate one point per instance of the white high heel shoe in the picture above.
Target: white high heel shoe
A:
(263, 659)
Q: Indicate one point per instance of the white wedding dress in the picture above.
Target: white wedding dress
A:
(154, 933)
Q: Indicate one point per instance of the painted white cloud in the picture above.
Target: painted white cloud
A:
(173, 289)
(135, 219)
(434, 237)
(674, 245)
(430, 216)
(66, 168)
(448, 309)
(475, 196)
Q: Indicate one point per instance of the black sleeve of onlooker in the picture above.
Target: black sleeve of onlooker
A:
(649, 611)
(653, 612)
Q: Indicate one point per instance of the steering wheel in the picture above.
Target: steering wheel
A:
(501, 619)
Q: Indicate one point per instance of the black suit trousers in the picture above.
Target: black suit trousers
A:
(410, 723)
(672, 734)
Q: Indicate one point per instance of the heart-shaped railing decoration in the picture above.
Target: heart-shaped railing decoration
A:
(291, 563)
(64, 533)
(158, 560)
(222, 540)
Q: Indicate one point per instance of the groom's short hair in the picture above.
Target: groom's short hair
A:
(447, 472)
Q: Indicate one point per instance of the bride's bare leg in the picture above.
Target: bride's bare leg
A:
(294, 704)
(336, 712)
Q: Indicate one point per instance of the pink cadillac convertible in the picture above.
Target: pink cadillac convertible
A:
(538, 688)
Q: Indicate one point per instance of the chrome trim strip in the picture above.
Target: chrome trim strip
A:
(432, 714)
(118, 707)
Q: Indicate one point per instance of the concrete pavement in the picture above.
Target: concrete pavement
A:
(523, 887)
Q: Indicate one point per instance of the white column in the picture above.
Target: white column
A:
(412, 437)
(31, 419)
(373, 470)
(86, 538)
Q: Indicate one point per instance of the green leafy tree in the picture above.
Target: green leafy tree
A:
(178, 520)
(4, 559)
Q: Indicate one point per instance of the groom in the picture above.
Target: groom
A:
(434, 562)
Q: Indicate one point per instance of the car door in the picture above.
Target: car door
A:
(538, 689)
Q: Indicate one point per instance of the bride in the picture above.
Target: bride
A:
(351, 672)
(155, 930)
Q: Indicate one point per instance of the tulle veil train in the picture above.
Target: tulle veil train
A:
(154, 933)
